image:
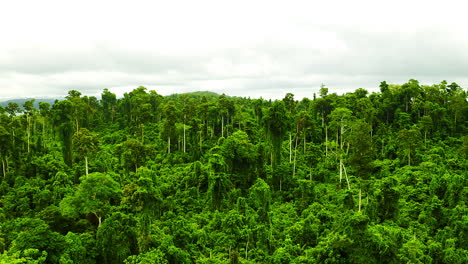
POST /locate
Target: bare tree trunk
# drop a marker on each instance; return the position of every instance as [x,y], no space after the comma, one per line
[222,125]
[3,166]
[425,137]
[359,200]
[271,158]
[29,130]
[200,141]
[295,156]
[290,148]
[338,143]
[341,170]
[326,142]
[304,144]
[168,144]
[184,137]
[247,250]
[347,179]
[86,165]
[43,132]
[323,120]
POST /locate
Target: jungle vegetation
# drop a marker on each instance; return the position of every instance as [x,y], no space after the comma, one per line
[360,177]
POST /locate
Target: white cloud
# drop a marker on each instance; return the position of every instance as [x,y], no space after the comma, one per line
[245,48]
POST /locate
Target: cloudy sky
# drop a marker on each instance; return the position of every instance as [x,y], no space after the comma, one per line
[242,48]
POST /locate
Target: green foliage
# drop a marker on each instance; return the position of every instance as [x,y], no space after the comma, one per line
[204,178]
[117,238]
[95,195]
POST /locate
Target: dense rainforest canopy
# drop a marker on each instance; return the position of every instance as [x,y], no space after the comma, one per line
[207,178]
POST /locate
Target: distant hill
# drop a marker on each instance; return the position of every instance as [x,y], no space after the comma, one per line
[198,94]
[21,101]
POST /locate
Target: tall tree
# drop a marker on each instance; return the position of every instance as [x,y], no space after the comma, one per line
[409,140]
[276,123]
[77,105]
[29,112]
[341,120]
[62,112]
[5,145]
[169,128]
[85,144]
[12,109]
[44,111]
[109,104]
[96,194]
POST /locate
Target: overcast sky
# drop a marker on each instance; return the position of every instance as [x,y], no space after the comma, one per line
[242,48]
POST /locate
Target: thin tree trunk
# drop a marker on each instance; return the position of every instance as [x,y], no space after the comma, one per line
[184,137]
[43,132]
[359,200]
[295,156]
[323,120]
[294,166]
[29,130]
[425,137]
[247,250]
[168,144]
[3,166]
[86,164]
[304,144]
[290,148]
[347,179]
[222,125]
[200,141]
[341,170]
[326,141]
[338,143]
